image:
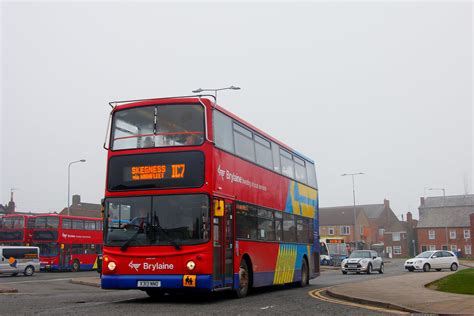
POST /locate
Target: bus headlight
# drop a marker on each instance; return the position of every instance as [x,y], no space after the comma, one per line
[111,266]
[190,265]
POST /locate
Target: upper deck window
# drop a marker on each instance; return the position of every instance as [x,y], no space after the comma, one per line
[158,126]
[47,222]
[13,222]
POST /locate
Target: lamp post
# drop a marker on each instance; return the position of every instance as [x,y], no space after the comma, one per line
[215,90]
[444,204]
[69,181]
[354,198]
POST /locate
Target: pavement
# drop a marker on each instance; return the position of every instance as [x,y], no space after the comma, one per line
[407,292]
[91,281]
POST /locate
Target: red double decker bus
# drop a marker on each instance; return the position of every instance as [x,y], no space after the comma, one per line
[196,198]
[16,230]
[67,242]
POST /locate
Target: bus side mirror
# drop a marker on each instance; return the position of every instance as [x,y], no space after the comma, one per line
[218,208]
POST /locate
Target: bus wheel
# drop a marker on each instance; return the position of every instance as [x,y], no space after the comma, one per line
[29,270]
[244,280]
[76,265]
[304,274]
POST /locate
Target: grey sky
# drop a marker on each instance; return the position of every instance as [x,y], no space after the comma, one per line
[382,88]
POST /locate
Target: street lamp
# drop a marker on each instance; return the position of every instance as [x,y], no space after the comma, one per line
[69,181]
[215,90]
[354,198]
[444,204]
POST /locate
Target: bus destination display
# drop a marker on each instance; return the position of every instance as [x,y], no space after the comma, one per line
[156,171]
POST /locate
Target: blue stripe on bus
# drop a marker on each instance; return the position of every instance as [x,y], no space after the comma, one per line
[167,281]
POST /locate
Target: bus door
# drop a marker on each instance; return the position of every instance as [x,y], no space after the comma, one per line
[64,256]
[223,240]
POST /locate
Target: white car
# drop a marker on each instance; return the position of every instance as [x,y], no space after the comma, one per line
[435,259]
[362,261]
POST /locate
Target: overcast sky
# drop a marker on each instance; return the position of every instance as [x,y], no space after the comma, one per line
[379,88]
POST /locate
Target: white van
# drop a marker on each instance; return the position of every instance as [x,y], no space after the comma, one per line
[19,259]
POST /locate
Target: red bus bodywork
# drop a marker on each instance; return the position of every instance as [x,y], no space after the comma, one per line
[232,180]
[68,242]
[16,230]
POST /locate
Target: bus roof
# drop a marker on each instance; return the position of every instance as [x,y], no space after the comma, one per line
[121,105]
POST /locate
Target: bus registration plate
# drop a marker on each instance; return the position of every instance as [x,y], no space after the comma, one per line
[149,284]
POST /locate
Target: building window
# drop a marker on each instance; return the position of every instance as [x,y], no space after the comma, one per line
[445,247]
[454,248]
[423,248]
[432,247]
[395,236]
[345,230]
[331,230]
[467,249]
[397,250]
[431,234]
[381,231]
[467,234]
[452,234]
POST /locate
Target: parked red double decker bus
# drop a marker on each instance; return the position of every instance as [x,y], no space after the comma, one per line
[67,242]
[16,230]
[196,198]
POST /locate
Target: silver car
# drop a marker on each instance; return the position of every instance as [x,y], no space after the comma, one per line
[19,259]
[362,261]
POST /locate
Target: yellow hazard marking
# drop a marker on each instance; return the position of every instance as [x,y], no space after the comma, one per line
[95,264]
[189,280]
[318,295]
[285,265]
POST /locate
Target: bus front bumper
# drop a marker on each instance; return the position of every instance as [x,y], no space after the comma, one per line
[166,282]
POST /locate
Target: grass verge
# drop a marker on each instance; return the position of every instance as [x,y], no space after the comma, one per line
[460,282]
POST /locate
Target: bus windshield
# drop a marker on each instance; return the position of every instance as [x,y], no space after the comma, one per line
[158,126]
[157,220]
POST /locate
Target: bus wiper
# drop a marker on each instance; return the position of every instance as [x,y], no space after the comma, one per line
[155,223]
[132,238]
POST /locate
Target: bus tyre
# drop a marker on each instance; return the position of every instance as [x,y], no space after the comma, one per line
[244,280]
[304,274]
[29,270]
[75,265]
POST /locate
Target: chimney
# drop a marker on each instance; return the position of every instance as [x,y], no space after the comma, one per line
[409,217]
[422,201]
[386,203]
[76,199]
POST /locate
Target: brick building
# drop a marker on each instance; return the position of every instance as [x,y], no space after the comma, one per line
[338,222]
[400,238]
[79,208]
[445,223]
[381,217]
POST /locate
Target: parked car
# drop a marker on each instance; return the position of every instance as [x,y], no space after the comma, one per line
[19,259]
[434,259]
[362,261]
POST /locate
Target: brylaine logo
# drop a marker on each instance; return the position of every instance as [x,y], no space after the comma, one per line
[157,266]
[220,172]
[134,265]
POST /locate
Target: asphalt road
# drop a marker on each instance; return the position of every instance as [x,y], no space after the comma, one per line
[53,294]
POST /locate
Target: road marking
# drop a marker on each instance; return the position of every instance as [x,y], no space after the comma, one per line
[36,281]
[317,294]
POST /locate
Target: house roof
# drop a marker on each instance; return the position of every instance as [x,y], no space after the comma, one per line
[397,227]
[83,209]
[340,215]
[373,210]
[445,216]
[448,201]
